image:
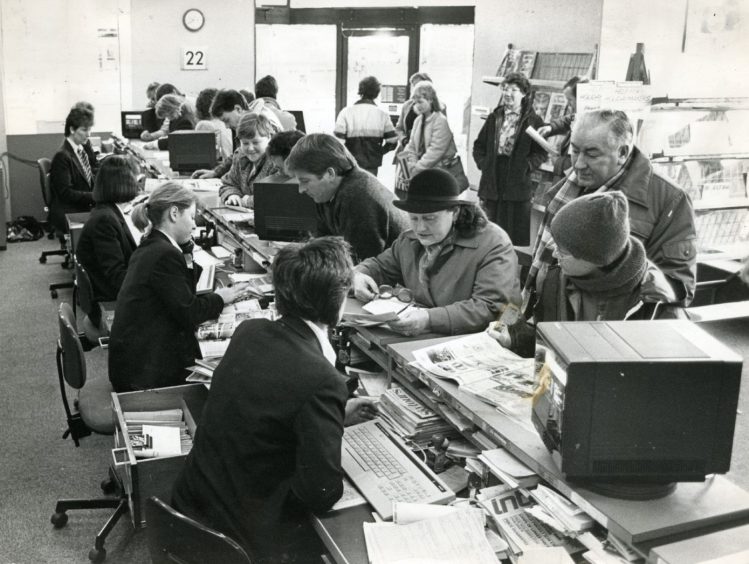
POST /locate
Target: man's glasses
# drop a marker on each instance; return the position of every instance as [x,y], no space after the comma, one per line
[386,291]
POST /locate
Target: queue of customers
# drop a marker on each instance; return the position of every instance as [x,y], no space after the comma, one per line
[617,241]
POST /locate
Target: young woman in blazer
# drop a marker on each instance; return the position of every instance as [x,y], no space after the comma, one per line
[153,335]
[109,237]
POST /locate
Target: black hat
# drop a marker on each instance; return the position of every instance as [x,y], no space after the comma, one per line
[429,191]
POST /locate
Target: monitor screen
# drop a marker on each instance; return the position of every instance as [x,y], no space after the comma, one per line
[132,124]
[646,402]
[191,150]
[282,213]
[299,115]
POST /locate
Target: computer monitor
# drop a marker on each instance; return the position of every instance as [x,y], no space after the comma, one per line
[299,115]
[132,124]
[191,150]
[282,213]
[637,402]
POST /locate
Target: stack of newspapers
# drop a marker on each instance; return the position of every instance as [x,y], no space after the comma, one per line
[411,418]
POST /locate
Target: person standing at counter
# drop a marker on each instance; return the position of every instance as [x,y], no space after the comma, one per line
[460,268]
[350,202]
[153,335]
[268,448]
[250,162]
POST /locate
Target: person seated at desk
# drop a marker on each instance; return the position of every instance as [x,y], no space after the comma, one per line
[602,275]
[73,170]
[250,162]
[350,201]
[268,449]
[279,148]
[155,126]
[209,123]
[109,237]
[181,117]
[153,335]
[460,267]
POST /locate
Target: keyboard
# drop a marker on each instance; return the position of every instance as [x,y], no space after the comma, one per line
[385,470]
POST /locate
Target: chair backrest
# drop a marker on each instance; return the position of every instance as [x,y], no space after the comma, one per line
[174,537]
[85,291]
[44,166]
[73,361]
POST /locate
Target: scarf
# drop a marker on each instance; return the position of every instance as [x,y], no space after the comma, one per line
[564,192]
[430,255]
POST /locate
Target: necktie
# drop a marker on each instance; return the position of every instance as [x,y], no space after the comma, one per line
[86,165]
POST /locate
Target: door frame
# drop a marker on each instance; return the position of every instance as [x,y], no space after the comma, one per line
[402,21]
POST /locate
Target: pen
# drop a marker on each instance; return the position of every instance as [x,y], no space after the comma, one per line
[404,309]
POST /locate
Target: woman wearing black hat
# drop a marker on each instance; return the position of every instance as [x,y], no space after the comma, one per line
[460,267]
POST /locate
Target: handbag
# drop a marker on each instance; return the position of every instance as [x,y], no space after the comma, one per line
[454,166]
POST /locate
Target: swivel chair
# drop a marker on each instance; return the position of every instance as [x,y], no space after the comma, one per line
[93,413]
[174,537]
[44,165]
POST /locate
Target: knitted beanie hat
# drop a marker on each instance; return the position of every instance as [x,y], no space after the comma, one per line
[593,227]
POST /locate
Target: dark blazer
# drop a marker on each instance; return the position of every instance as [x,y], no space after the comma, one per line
[268,449]
[526,157]
[180,124]
[71,191]
[153,335]
[104,248]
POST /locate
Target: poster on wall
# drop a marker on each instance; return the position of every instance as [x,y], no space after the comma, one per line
[108,48]
[633,98]
[714,26]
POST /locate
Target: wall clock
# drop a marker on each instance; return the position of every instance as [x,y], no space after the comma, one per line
[193,19]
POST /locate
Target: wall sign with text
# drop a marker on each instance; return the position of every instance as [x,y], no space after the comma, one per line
[193,58]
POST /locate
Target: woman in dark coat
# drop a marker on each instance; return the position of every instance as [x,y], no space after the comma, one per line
[507,155]
[153,335]
[109,237]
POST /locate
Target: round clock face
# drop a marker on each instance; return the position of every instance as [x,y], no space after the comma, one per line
[193,19]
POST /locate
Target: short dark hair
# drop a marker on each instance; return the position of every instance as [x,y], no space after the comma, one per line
[166,88]
[282,143]
[266,87]
[317,152]
[204,101]
[369,87]
[573,82]
[251,124]
[471,219]
[225,101]
[248,96]
[311,279]
[520,80]
[116,180]
[78,117]
[83,105]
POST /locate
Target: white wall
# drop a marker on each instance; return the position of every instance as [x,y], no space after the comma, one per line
[158,36]
[56,54]
[537,25]
[371,3]
[712,64]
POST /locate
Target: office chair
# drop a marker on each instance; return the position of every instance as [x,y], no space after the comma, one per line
[94,413]
[174,537]
[93,328]
[44,165]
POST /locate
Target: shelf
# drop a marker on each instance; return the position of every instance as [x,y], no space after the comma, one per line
[731,203]
[664,103]
[497,80]
[663,158]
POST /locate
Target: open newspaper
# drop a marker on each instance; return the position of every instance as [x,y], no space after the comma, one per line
[482,367]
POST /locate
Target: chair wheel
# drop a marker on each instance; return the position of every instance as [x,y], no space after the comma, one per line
[108,486]
[59,520]
[42,259]
[53,293]
[97,554]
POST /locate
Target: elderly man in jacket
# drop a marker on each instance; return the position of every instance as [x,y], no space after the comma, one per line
[660,213]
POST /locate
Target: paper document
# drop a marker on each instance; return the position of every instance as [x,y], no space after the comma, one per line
[538,138]
[350,498]
[379,306]
[165,441]
[210,349]
[456,538]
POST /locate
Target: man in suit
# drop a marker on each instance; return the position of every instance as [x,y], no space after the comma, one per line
[269,445]
[73,169]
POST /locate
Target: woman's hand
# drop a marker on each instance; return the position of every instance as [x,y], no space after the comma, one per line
[365,288]
[203,173]
[247,201]
[544,130]
[231,293]
[359,410]
[412,322]
[500,333]
[233,200]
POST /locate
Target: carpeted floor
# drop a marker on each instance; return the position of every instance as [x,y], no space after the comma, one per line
[37,467]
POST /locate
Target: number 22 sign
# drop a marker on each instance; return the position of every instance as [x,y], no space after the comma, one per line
[193,58]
